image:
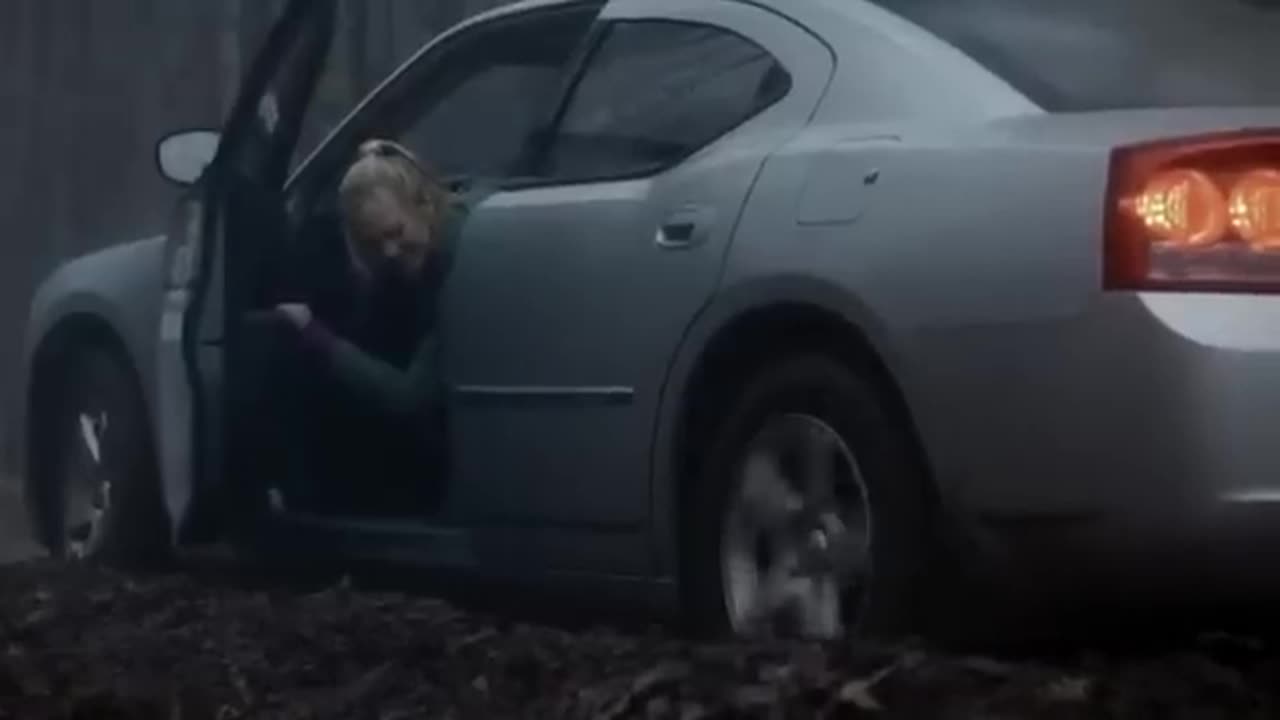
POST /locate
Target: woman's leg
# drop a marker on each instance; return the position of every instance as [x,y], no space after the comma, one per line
[289,419]
[401,468]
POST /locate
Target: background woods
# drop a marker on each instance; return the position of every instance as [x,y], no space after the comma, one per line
[87,86]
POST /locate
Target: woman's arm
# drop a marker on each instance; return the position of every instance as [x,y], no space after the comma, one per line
[384,386]
[380,383]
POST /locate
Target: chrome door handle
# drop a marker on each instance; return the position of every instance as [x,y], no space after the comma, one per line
[685,228]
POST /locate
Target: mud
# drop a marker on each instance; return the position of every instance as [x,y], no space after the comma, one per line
[77,642]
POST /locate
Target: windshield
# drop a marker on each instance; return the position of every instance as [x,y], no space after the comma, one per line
[1080,55]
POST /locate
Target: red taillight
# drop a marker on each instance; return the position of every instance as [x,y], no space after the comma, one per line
[1195,214]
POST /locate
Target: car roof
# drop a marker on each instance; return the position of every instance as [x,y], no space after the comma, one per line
[824,18]
[515,8]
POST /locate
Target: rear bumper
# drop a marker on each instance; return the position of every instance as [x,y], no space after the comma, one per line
[1140,434]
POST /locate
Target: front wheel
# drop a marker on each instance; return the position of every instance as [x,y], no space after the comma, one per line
[102,492]
[808,516]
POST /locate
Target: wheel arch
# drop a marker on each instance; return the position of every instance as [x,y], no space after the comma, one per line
[737,334]
[69,337]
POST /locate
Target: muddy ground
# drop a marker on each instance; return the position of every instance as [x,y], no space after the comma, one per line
[82,643]
[211,642]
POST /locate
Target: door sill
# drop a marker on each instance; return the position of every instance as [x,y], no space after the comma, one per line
[418,542]
[365,523]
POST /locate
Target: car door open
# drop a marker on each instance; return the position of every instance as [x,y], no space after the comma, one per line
[212,255]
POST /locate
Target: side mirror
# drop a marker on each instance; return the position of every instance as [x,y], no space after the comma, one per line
[182,156]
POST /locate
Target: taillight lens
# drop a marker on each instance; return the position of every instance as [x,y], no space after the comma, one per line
[186,232]
[1195,214]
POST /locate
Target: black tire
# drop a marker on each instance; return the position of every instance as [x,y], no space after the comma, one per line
[134,526]
[849,403]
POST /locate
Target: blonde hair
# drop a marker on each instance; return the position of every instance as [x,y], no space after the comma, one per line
[382,164]
[386,165]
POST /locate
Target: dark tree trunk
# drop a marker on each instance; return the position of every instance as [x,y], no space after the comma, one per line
[87,87]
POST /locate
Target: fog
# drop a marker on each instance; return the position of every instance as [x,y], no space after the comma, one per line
[87,87]
[1094,54]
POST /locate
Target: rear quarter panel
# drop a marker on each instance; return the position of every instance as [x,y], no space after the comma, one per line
[913,235]
[971,257]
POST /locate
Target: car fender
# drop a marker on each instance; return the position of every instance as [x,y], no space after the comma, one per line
[732,302]
[119,289]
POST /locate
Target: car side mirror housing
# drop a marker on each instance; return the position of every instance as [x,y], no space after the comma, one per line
[182,156]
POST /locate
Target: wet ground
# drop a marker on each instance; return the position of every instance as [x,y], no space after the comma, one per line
[81,643]
[211,642]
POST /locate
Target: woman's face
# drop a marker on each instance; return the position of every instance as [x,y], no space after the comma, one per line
[391,233]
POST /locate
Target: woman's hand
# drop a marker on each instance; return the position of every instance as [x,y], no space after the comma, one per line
[298,314]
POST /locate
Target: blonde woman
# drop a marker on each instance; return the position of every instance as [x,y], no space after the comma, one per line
[401,228]
[382,385]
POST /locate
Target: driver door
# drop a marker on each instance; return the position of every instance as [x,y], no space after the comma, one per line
[213,254]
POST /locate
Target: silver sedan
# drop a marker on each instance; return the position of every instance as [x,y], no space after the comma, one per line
[782,309]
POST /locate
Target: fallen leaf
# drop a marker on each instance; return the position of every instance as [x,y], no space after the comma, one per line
[986,666]
[36,617]
[911,659]
[777,674]
[858,694]
[241,684]
[1230,639]
[1069,690]
[474,638]
[658,707]
[663,674]
[694,711]
[364,686]
[754,697]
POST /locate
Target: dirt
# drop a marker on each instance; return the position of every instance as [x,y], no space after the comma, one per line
[82,643]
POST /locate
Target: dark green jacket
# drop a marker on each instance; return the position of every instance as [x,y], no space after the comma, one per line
[416,388]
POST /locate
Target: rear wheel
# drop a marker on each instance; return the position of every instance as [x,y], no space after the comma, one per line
[808,516]
[103,501]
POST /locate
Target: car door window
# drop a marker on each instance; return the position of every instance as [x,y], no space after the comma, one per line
[655,92]
[477,114]
[467,105]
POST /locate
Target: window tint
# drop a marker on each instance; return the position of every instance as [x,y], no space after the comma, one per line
[477,107]
[482,126]
[655,92]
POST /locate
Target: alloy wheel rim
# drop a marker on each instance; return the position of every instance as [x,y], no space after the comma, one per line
[796,539]
[86,488]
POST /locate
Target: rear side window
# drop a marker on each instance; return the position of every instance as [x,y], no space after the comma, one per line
[655,92]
